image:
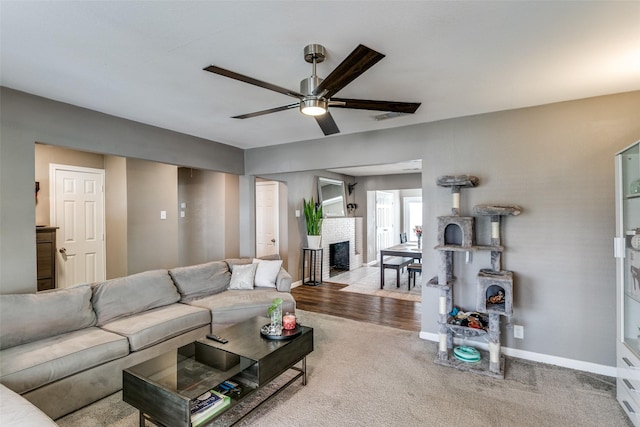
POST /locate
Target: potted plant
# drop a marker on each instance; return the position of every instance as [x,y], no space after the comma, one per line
[313,217]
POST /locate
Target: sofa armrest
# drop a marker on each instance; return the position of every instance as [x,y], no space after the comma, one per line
[283,281]
[19,412]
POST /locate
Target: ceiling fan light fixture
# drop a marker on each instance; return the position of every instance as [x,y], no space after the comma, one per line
[316,94]
[313,107]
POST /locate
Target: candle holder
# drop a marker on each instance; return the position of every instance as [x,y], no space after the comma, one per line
[289,321]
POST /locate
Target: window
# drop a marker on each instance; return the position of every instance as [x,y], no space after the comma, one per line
[412,216]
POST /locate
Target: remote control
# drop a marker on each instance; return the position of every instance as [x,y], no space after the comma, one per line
[217,338]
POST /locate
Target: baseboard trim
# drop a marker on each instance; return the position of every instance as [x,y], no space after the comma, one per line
[296,284]
[579,365]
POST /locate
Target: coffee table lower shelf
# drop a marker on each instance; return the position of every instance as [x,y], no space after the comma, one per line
[163,388]
[248,390]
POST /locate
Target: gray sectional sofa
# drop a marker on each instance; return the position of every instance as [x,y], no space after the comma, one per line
[66,348]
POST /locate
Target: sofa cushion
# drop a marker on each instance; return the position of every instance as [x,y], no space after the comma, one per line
[235,306]
[122,297]
[267,272]
[19,412]
[29,317]
[243,276]
[200,280]
[157,325]
[32,365]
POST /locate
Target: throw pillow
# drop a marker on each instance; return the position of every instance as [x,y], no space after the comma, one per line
[197,281]
[243,276]
[267,272]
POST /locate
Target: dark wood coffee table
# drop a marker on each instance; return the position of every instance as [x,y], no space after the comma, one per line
[162,388]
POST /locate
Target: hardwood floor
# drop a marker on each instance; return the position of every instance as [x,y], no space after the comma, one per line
[328,299]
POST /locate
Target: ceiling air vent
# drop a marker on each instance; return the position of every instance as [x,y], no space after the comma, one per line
[387,116]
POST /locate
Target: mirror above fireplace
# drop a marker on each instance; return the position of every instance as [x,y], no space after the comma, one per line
[332,196]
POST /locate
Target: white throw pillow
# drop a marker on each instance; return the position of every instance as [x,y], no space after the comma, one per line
[267,272]
[242,276]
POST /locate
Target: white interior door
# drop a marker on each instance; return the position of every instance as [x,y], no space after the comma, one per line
[384,221]
[77,208]
[267,218]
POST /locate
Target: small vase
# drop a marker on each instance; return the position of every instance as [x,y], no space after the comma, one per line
[275,328]
[419,242]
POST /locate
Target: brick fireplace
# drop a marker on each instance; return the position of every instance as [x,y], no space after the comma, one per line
[341,230]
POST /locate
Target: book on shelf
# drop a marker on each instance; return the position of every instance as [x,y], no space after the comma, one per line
[228,388]
[205,406]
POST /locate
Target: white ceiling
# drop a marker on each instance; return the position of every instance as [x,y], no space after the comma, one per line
[143,60]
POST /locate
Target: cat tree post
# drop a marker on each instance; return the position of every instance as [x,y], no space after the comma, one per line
[494,343]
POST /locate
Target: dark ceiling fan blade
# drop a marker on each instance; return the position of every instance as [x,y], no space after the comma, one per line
[269,111]
[327,124]
[360,60]
[251,81]
[367,104]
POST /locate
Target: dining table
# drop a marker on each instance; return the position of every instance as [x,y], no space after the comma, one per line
[409,250]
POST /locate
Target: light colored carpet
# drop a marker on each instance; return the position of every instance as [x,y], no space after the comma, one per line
[362,374]
[366,280]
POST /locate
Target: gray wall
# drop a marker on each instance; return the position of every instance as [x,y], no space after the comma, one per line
[152,242]
[211,215]
[27,119]
[116,216]
[556,161]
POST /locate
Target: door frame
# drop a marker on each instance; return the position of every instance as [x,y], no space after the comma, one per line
[276,212]
[53,168]
[392,226]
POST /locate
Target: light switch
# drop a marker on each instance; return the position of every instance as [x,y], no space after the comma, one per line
[297,213]
[181,214]
[163,214]
[183,205]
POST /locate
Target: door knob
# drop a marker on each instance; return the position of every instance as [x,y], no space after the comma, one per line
[63,251]
[273,240]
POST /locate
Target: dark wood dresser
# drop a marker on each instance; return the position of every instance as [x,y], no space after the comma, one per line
[46,257]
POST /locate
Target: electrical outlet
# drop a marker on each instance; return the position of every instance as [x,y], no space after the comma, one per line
[163,214]
[518,331]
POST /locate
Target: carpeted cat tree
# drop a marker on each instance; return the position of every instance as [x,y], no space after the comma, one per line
[494,286]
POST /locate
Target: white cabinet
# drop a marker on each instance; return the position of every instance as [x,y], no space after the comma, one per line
[627,252]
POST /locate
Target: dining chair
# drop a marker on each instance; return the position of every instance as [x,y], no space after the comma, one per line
[414,269]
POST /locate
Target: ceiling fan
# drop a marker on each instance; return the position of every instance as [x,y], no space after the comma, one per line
[316,94]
